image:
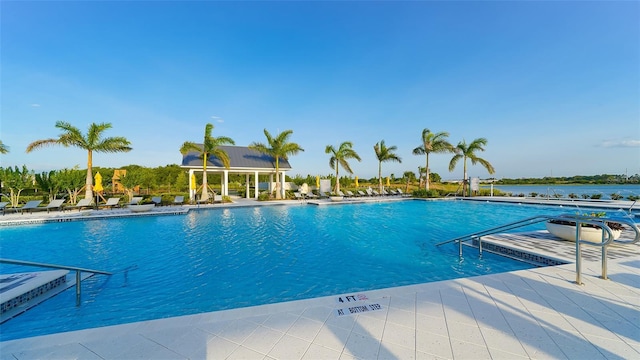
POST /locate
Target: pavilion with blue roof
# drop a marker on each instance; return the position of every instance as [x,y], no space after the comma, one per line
[242,160]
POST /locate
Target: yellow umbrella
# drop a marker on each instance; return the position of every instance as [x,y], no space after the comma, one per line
[356,181]
[318,182]
[388,181]
[98,183]
[193,181]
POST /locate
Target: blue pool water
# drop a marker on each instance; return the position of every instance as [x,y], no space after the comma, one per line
[219,259]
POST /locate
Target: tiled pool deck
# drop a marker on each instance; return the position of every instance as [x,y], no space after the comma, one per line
[539,313]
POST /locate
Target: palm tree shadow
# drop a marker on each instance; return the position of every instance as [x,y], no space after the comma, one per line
[574,306]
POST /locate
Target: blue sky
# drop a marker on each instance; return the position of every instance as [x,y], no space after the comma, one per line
[553,86]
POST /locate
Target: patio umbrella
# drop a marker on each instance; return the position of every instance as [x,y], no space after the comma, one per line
[388,181]
[193,181]
[318,182]
[98,183]
[356,181]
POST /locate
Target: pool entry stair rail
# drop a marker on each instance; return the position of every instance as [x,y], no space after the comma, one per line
[28,289]
[579,220]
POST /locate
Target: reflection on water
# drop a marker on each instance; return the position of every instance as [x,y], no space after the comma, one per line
[219,258]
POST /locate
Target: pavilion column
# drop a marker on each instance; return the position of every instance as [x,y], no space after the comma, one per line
[282,192]
[225,183]
[270,182]
[255,185]
[246,182]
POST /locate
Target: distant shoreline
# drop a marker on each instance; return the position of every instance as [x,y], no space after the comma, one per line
[605,191]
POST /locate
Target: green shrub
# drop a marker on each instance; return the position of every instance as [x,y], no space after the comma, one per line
[264,196]
[422,193]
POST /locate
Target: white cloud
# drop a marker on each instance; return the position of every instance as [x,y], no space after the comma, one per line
[218,119]
[35,105]
[620,143]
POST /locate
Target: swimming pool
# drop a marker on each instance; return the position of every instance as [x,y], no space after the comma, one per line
[228,258]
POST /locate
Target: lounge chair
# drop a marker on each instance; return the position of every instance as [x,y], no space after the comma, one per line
[369,192]
[178,200]
[324,195]
[56,204]
[111,203]
[30,206]
[83,203]
[311,195]
[385,192]
[361,193]
[157,200]
[401,193]
[298,196]
[350,193]
[3,206]
[375,193]
[135,200]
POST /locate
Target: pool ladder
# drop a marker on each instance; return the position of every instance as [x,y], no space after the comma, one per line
[607,236]
[78,271]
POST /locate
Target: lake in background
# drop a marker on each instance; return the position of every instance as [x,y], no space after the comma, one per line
[564,190]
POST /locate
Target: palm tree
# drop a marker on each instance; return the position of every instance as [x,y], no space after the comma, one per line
[210,147]
[4,149]
[279,148]
[464,151]
[432,143]
[339,157]
[384,153]
[92,142]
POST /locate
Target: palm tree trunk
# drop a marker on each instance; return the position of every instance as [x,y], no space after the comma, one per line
[380,176]
[337,180]
[278,194]
[427,172]
[205,190]
[88,194]
[464,180]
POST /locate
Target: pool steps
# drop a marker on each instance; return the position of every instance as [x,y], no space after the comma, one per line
[22,291]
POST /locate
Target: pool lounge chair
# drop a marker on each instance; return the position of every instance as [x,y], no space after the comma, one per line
[83,203]
[401,193]
[178,200]
[30,206]
[56,204]
[111,203]
[135,200]
[3,206]
[361,193]
[350,193]
[157,200]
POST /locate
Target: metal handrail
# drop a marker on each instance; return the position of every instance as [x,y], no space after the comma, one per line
[495,230]
[579,220]
[78,271]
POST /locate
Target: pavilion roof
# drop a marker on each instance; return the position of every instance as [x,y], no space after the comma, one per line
[240,157]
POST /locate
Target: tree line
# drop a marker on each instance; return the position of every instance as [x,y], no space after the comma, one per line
[277,146]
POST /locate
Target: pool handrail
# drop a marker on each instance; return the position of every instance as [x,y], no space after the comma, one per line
[579,220]
[78,271]
[512,225]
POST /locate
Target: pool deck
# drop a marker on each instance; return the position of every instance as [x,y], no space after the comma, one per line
[529,314]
